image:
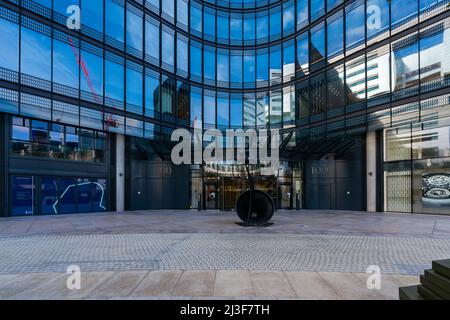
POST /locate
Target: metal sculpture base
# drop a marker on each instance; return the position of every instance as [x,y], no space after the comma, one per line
[245,224]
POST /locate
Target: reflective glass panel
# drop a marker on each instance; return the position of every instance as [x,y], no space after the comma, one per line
[9,55]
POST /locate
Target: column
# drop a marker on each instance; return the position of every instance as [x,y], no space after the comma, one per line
[120,172]
[371,168]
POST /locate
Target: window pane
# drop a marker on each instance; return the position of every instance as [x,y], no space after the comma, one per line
[223,67]
[45,3]
[168,7]
[236,68]
[182,54]
[22,196]
[36,54]
[114,20]
[182,12]
[336,94]
[302,13]
[355,26]
[275,24]
[167,98]
[249,69]
[134,31]
[196,108]
[92,14]
[303,100]
[223,27]
[209,58]
[288,19]
[9,55]
[210,24]
[249,111]
[152,41]
[318,95]
[196,60]
[262,110]
[209,105]
[275,107]
[60,6]
[183,103]
[302,54]
[151,96]
[355,80]
[335,35]
[289,61]
[92,78]
[377,17]
[262,27]
[249,28]
[196,19]
[317,8]
[288,107]
[317,49]
[223,113]
[378,73]
[20,133]
[236,112]
[167,49]
[65,66]
[262,64]
[134,91]
[275,65]
[433,58]
[236,29]
[67,203]
[114,82]
[405,66]
[403,11]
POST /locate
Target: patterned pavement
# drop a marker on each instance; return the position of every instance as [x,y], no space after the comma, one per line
[214,251]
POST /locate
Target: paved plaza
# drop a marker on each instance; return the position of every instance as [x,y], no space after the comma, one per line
[191,254]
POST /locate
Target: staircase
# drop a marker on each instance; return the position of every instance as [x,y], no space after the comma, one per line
[434,284]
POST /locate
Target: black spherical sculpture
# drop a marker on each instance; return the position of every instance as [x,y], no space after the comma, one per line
[254,207]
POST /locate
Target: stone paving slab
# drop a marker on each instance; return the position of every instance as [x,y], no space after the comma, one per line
[232,283]
[158,283]
[190,221]
[195,283]
[350,287]
[271,284]
[204,284]
[310,285]
[120,285]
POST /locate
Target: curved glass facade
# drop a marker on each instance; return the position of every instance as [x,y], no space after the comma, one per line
[308,67]
[264,63]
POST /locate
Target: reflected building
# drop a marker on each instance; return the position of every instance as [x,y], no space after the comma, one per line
[359,91]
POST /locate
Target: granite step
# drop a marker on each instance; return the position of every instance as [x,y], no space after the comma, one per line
[442,267]
[438,280]
[410,293]
[442,294]
[427,294]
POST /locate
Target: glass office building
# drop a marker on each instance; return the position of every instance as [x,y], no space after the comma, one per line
[360,91]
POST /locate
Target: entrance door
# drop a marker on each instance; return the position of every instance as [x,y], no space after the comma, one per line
[286,196]
[232,188]
[211,196]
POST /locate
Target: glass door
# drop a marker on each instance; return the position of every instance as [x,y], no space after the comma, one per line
[286,196]
[211,196]
[232,188]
